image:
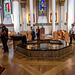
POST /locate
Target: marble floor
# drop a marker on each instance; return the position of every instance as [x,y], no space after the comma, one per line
[18,64]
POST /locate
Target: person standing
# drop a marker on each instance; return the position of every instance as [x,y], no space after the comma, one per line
[32,33]
[4,38]
[38,32]
[72,33]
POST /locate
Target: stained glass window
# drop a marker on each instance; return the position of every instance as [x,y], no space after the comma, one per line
[42,7]
[7,8]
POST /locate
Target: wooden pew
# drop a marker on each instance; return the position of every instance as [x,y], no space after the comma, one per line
[55,35]
[23,32]
[67,38]
[29,37]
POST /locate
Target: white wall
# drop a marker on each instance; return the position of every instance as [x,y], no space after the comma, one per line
[7,20]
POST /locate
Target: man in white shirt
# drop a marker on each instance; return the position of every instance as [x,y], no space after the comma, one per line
[72,33]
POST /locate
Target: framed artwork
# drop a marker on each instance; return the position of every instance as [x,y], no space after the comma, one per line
[29,18]
[51,17]
[7,8]
[42,7]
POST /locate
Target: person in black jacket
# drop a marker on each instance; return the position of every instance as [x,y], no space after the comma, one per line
[33,33]
[38,33]
[4,38]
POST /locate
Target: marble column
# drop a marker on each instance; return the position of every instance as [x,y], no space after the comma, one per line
[62,14]
[62,18]
[23,15]
[70,14]
[67,16]
[15,6]
[31,12]
[53,16]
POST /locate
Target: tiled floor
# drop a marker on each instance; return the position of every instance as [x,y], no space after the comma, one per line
[17,64]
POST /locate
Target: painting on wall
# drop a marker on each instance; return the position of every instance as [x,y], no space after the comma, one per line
[29,18]
[7,8]
[42,7]
[51,17]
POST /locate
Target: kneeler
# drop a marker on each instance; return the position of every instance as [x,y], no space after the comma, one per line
[1,69]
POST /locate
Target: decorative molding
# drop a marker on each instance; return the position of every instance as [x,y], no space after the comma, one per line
[23,5]
[44,24]
[8,25]
[61,2]
[22,1]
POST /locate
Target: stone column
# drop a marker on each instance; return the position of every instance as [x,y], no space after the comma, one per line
[62,18]
[53,16]
[70,14]
[31,12]
[67,16]
[15,6]
[62,14]
[23,15]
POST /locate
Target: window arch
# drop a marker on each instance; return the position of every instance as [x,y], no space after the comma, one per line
[42,7]
[7,8]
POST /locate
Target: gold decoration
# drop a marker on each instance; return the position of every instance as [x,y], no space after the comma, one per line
[55,17]
[33,18]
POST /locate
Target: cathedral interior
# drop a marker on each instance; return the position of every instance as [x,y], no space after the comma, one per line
[52,54]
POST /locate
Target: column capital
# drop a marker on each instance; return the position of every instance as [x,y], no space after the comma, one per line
[23,5]
[61,2]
